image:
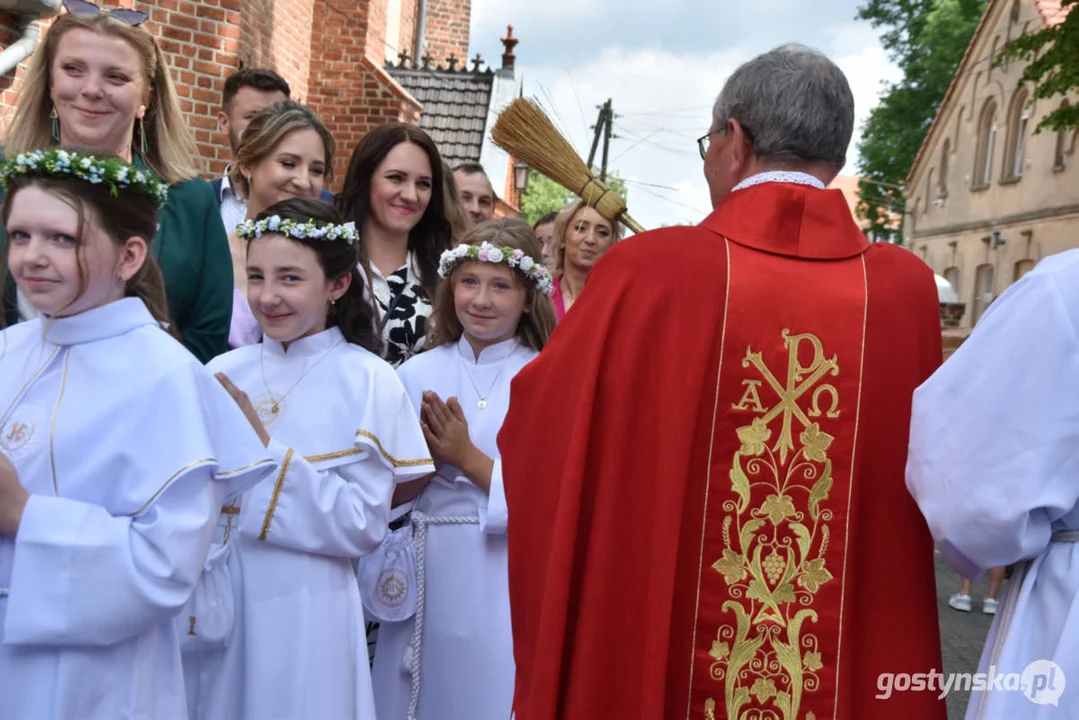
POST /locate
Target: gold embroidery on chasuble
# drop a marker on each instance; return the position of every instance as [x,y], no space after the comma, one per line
[776,528]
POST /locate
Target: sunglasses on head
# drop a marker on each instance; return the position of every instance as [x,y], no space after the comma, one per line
[134,18]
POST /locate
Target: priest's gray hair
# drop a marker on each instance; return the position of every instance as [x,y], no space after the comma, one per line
[795,104]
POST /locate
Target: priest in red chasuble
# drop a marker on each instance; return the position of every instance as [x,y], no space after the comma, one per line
[704,467]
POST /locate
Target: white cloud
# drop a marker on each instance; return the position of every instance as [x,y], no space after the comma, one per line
[662,92]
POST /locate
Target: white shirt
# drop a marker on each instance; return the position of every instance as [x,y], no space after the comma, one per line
[233,207]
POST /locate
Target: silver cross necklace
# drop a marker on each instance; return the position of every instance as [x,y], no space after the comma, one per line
[482,404]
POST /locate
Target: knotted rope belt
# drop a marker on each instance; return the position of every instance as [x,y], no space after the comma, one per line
[420,522]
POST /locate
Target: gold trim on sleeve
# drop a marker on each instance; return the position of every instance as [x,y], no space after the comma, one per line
[276,494]
[227,473]
[392,460]
[333,455]
[168,482]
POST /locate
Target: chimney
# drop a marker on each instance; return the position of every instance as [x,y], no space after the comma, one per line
[508,58]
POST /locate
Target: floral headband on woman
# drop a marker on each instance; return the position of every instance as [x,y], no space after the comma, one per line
[311,229]
[486,252]
[110,171]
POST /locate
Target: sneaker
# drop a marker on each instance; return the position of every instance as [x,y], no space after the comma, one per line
[989,606]
[960,602]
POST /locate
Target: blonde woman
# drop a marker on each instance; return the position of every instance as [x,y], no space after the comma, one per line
[100,81]
[285,152]
[581,237]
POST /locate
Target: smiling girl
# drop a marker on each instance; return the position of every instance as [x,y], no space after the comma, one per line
[337,418]
[492,316]
[115,444]
[393,191]
[285,152]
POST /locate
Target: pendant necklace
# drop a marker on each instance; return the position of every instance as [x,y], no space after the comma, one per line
[273,406]
[482,404]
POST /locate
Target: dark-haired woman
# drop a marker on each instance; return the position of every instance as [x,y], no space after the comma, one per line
[393,191]
[338,420]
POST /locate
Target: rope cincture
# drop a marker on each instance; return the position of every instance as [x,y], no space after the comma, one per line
[420,521]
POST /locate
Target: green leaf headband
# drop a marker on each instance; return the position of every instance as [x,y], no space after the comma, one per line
[114,172]
[310,229]
[486,252]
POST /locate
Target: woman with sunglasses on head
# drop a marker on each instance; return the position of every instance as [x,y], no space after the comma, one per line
[99,80]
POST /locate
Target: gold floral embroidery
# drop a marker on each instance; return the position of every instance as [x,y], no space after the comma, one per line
[775,536]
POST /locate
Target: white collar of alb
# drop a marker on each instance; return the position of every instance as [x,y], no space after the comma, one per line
[779,176]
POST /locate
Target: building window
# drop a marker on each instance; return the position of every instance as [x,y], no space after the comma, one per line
[1018,118]
[992,60]
[1022,268]
[952,276]
[1015,12]
[987,140]
[943,192]
[983,290]
[930,191]
[1061,144]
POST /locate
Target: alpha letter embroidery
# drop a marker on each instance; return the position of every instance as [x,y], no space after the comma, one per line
[775,536]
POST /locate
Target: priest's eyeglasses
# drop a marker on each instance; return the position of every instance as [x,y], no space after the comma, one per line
[705,141]
[134,18]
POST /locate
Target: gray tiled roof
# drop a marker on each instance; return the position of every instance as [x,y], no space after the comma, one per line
[455,106]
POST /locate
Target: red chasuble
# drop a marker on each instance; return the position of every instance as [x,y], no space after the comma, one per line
[704,471]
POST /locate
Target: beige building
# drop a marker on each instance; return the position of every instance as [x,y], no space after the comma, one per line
[986,197]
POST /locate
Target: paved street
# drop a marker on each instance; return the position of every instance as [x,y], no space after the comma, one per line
[962,634]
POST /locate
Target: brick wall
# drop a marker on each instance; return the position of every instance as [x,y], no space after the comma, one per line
[351,92]
[331,52]
[446,29]
[406,40]
[10,31]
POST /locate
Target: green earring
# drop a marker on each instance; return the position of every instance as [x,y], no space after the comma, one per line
[55,124]
[142,138]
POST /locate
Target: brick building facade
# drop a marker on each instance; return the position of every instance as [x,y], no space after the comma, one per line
[332,52]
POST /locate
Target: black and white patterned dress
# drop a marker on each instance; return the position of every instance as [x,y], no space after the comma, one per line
[401,295]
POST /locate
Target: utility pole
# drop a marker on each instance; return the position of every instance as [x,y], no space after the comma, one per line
[606,140]
[598,127]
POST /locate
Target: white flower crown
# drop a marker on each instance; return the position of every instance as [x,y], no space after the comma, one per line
[310,229]
[486,252]
[110,171]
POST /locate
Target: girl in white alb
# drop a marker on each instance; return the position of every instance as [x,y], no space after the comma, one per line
[117,450]
[451,656]
[337,419]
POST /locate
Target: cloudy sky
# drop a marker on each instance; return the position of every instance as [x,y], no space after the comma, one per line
[663,62]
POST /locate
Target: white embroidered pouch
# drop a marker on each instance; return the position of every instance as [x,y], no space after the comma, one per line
[387,578]
[207,619]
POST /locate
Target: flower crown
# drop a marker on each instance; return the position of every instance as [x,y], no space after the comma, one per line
[486,252]
[310,229]
[112,171]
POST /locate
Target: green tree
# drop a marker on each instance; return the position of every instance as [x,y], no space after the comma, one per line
[544,195]
[1054,72]
[926,39]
